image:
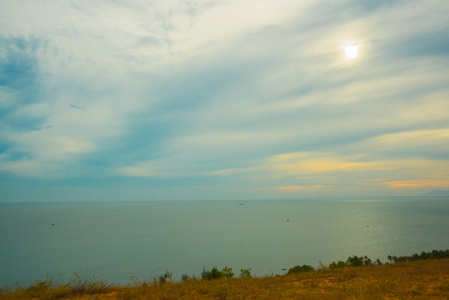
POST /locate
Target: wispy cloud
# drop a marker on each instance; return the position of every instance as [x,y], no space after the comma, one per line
[302,188]
[418,184]
[231,96]
[322,164]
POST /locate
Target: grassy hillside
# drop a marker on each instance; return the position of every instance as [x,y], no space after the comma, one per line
[428,279]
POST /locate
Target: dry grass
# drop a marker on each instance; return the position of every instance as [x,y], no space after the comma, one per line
[411,280]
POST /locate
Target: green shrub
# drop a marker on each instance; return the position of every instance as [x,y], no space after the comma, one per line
[339,264]
[185,277]
[356,261]
[434,254]
[300,269]
[212,274]
[227,272]
[245,273]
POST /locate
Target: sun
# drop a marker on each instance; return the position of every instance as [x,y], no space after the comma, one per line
[351,51]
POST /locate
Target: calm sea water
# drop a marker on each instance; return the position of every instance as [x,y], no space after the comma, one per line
[114,241]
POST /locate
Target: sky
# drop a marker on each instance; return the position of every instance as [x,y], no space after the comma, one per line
[222,100]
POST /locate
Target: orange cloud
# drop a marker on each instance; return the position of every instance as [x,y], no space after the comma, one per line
[301,188]
[327,164]
[417,183]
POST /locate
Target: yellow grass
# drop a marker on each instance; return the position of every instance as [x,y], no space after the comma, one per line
[412,280]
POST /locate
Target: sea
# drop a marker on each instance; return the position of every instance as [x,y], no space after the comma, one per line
[122,243]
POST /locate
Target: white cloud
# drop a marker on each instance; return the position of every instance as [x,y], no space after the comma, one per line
[178,89]
[417,140]
[146,169]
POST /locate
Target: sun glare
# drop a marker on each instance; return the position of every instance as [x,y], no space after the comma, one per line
[351,51]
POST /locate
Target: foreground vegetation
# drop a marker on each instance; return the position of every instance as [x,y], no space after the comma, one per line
[420,276]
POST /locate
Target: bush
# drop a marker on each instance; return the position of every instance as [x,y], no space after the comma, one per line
[356,261]
[245,273]
[300,269]
[227,272]
[185,277]
[212,274]
[339,264]
[434,254]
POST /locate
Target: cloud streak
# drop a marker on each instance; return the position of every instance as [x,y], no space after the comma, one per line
[249,98]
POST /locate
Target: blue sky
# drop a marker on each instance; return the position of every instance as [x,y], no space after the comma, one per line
[217,100]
